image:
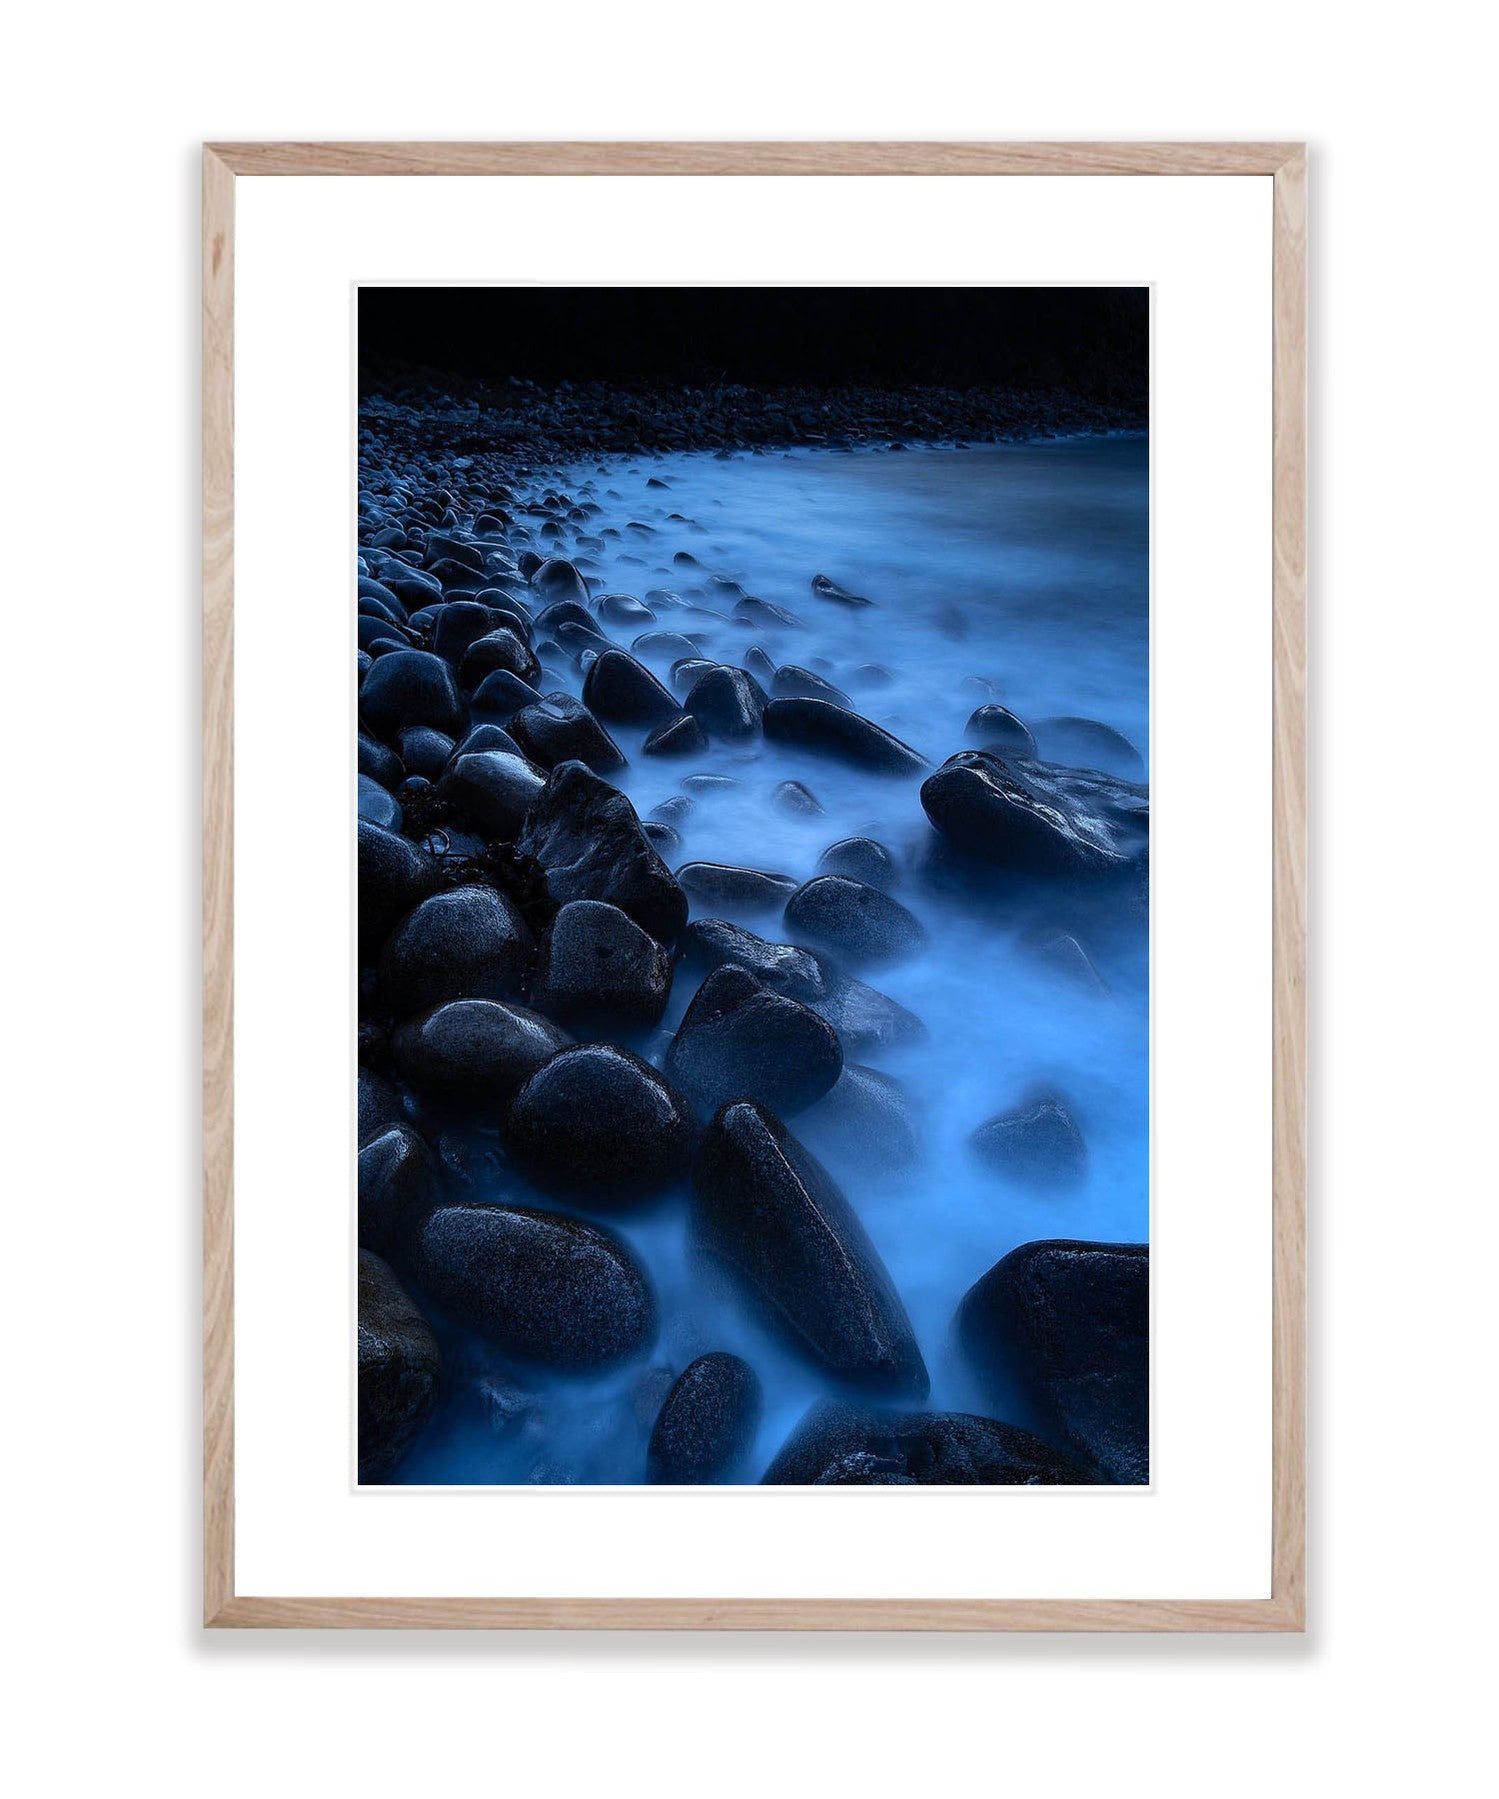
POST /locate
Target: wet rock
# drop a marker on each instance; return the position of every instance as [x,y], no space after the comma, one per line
[596,969]
[796,800]
[686,673]
[739,1040]
[1085,743]
[411,687]
[837,1444]
[722,887]
[994,728]
[625,611]
[865,1019]
[378,805]
[855,923]
[1071,1321]
[398,1186]
[598,1124]
[771,1215]
[727,703]
[544,1287]
[663,839]
[866,1125]
[764,616]
[622,691]
[1065,956]
[500,696]
[457,626]
[560,580]
[759,665]
[707,1426]
[586,843]
[860,859]
[379,763]
[494,789]
[1036,1145]
[487,737]
[393,876]
[425,752]
[498,652]
[562,613]
[399,1370]
[379,1104]
[849,737]
[468,943]
[562,729]
[680,736]
[793,683]
[871,676]
[664,647]
[711,943]
[474,1055]
[830,590]
[1014,816]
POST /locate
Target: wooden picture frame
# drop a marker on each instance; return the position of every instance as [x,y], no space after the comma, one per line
[1285,163]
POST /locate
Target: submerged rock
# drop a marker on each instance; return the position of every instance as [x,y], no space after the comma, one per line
[830,590]
[1018,816]
[1071,1322]
[1036,1145]
[707,1424]
[793,683]
[855,923]
[865,1019]
[739,1040]
[865,1125]
[586,842]
[596,1123]
[542,1286]
[993,727]
[837,1444]
[1085,743]
[399,1370]
[847,736]
[796,799]
[860,859]
[771,1215]
[468,943]
[721,887]
[474,1054]
[597,969]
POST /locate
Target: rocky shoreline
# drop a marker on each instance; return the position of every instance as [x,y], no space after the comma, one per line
[525,935]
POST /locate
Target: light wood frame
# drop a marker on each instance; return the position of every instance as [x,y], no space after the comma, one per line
[1285,164]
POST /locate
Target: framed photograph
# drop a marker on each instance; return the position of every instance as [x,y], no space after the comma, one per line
[754,890]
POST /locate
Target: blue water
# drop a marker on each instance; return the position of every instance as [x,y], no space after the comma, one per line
[1018,573]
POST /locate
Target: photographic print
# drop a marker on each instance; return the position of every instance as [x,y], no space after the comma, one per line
[753,752]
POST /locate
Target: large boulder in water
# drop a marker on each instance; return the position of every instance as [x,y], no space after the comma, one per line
[866,1020]
[996,728]
[562,729]
[494,789]
[596,1123]
[499,696]
[597,970]
[769,1214]
[399,1370]
[379,1104]
[474,1055]
[498,651]
[394,875]
[1028,819]
[837,1444]
[1086,743]
[542,1286]
[586,842]
[559,580]
[723,887]
[855,923]
[865,1126]
[739,1040]
[847,736]
[411,687]
[727,703]
[1070,1322]
[622,691]
[680,736]
[1035,1145]
[707,1423]
[467,943]
[860,859]
[398,1186]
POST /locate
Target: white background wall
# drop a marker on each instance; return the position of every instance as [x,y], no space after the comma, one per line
[105,109]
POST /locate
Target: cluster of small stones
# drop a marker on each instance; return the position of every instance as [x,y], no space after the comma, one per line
[521,930]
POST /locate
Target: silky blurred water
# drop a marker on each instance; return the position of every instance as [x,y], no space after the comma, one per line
[1017,573]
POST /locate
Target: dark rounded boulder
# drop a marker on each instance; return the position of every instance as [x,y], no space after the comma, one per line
[860,859]
[474,1054]
[393,875]
[865,1019]
[707,1423]
[467,943]
[425,752]
[379,763]
[410,687]
[456,627]
[541,1286]
[794,683]
[378,805]
[995,728]
[855,923]
[830,590]
[585,840]
[847,736]
[723,887]
[499,651]
[622,691]
[557,579]
[597,969]
[499,696]
[796,799]
[379,1105]
[1036,1145]
[728,703]
[679,736]
[714,943]
[400,1370]
[837,1444]
[1070,1321]
[398,1186]
[596,1123]
[561,729]
[494,789]
[739,1040]
[772,1217]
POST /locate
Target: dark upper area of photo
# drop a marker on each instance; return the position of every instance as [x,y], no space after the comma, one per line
[1093,341]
